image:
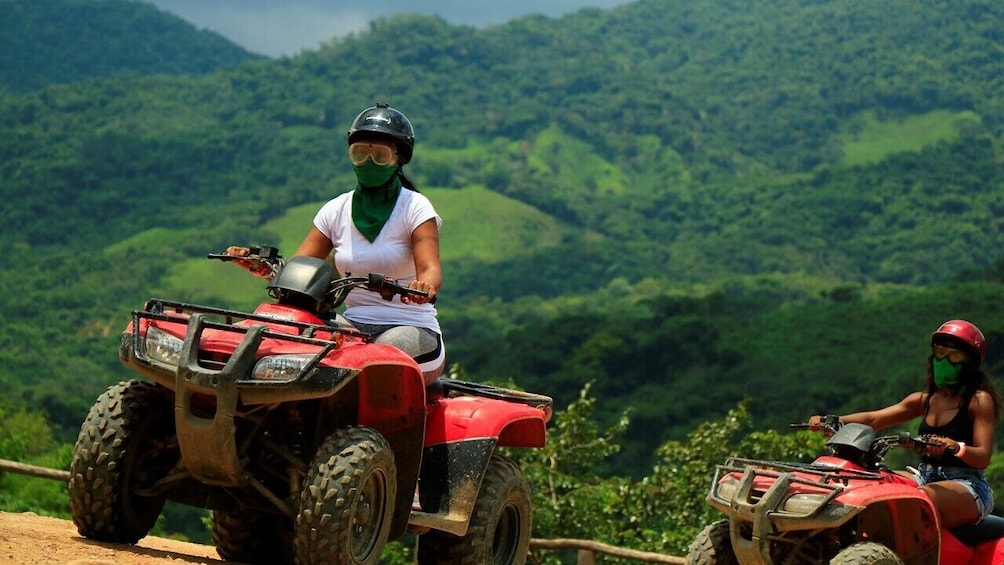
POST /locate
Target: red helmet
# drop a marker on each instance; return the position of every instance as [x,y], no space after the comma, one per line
[965,332]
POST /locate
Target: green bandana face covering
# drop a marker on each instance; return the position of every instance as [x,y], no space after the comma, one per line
[946,373]
[372,205]
[371,175]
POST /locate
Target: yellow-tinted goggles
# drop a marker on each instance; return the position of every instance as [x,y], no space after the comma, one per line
[380,154]
[943,351]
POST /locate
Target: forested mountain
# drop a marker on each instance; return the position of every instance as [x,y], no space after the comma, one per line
[45,42]
[689,202]
[677,129]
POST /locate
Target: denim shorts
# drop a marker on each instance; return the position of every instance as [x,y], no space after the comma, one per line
[973,479]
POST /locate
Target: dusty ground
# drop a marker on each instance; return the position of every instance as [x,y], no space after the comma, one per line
[30,539]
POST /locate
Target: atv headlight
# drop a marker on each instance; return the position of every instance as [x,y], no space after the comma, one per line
[163,347]
[280,367]
[806,504]
[726,489]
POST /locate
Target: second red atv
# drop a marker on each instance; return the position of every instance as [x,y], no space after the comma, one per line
[844,508]
[309,443]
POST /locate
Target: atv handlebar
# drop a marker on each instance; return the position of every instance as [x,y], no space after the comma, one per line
[829,424]
[905,440]
[267,258]
[376,282]
[266,261]
[260,252]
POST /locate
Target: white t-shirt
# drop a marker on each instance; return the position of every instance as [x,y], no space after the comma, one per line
[390,254]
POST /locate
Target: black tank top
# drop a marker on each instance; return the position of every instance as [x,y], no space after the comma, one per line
[960,428]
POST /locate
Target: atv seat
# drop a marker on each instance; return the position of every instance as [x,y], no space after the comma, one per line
[992,527]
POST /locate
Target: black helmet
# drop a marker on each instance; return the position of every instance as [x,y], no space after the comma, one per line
[303,281]
[383,121]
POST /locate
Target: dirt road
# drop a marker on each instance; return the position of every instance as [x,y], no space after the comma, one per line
[30,539]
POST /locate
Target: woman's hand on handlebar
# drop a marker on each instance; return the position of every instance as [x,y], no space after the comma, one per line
[254,264]
[428,289]
[826,425]
[818,423]
[939,445]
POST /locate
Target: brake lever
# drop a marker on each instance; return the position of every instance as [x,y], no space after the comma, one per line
[264,253]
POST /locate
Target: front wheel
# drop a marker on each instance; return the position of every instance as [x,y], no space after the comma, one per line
[125,445]
[712,546]
[866,553]
[347,501]
[499,530]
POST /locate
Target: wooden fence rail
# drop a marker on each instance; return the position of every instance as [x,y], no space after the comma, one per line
[40,472]
[587,549]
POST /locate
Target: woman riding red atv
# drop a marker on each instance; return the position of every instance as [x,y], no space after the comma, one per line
[959,409]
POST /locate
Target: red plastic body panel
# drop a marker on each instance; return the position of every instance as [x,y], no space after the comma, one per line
[987,553]
[287,313]
[469,417]
[954,551]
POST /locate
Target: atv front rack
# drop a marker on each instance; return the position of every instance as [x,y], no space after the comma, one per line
[157,308]
[826,474]
[753,498]
[760,501]
[752,494]
[229,375]
[212,390]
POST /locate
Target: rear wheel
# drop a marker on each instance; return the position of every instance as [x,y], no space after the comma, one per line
[866,553]
[499,530]
[348,500]
[125,445]
[712,546]
[252,537]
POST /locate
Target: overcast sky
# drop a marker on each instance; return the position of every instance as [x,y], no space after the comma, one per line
[285,27]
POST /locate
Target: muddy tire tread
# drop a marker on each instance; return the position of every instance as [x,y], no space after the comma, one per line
[99,470]
[503,484]
[713,546]
[322,533]
[866,553]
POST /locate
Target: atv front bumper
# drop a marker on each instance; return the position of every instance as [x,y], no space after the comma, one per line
[766,501]
[210,391]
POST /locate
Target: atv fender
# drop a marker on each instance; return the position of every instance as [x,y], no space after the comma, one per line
[904,521]
[460,437]
[471,417]
[392,401]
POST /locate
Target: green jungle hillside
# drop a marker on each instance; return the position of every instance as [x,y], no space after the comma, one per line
[45,42]
[679,205]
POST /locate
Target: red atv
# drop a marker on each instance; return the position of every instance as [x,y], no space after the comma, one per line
[844,508]
[310,443]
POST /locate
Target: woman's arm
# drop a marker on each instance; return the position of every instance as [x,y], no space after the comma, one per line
[981,410]
[315,244]
[428,270]
[903,411]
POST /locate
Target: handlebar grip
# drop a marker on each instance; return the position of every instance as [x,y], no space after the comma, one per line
[223,257]
[382,283]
